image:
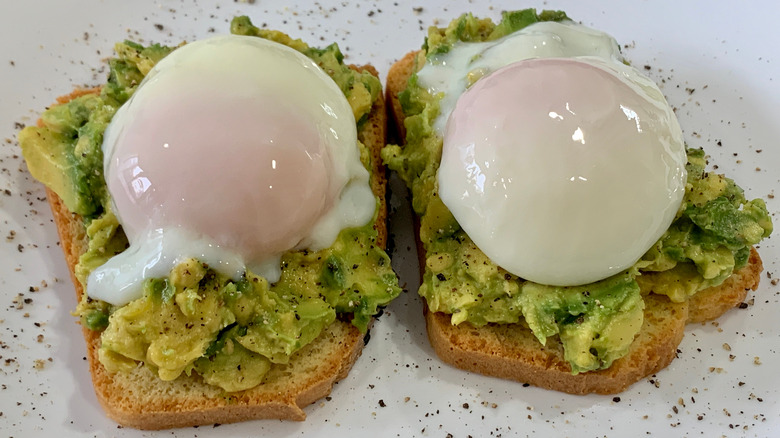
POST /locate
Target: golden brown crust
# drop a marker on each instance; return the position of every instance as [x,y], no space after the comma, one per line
[510,351]
[141,400]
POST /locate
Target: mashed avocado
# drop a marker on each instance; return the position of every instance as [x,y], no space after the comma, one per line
[196,320]
[710,237]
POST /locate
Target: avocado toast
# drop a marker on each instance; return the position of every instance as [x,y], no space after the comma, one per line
[315,339]
[471,332]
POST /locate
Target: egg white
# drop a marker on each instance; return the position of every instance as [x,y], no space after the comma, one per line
[247,191]
[562,164]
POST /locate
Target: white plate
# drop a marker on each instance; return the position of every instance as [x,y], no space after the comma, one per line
[719,67]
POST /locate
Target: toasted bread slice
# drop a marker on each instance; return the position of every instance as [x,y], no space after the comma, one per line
[141,400]
[511,351]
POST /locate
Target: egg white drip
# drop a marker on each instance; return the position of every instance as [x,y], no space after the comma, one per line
[155,250]
[446,76]
[154,257]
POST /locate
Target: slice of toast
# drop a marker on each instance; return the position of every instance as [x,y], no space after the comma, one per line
[511,351]
[139,399]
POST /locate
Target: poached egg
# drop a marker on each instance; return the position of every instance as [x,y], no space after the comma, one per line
[561,163]
[233,150]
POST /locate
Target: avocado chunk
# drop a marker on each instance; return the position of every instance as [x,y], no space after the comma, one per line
[438,222]
[230,366]
[172,325]
[713,233]
[49,162]
[596,322]
[58,157]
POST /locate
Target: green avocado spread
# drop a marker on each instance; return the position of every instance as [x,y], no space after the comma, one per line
[196,320]
[709,239]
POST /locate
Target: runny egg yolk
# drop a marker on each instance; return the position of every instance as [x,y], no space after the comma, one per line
[232,151]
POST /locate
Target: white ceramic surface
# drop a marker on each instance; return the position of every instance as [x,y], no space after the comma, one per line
[716,61]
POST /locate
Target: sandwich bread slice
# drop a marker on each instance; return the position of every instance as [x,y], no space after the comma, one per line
[512,350]
[135,395]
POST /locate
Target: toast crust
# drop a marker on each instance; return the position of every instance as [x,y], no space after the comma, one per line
[141,400]
[510,351]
